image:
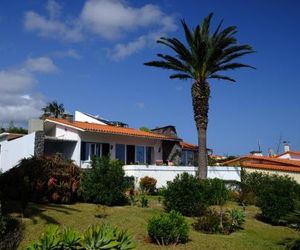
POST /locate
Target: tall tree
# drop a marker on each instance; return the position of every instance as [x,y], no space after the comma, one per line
[54,109]
[203,56]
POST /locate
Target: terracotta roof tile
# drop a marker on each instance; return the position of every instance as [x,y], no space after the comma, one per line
[289,152]
[108,129]
[272,167]
[188,146]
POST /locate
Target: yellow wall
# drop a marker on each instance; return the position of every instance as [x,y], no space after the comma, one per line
[295,176]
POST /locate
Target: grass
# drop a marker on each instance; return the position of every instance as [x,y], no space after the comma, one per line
[255,235]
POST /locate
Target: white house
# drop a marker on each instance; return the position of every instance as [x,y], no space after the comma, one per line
[85,136]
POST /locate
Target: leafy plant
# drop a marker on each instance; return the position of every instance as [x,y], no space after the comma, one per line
[49,240]
[41,179]
[101,211]
[144,201]
[168,229]
[235,218]
[70,239]
[208,223]
[107,237]
[148,184]
[95,237]
[277,198]
[186,195]
[2,222]
[104,183]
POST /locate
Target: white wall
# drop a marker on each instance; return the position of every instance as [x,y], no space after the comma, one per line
[81,117]
[13,151]
[163,174]
[290,156]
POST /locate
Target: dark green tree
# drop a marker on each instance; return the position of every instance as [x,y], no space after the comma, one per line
[53,109]
[202,57]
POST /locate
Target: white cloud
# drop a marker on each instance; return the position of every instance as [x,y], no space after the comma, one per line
[52,27]
[71,53]
[113,20]
[18,100]
[40,64]
[54,9]
[140,105]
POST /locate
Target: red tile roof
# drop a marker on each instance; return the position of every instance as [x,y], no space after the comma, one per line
[188,146]
[289,152]
[108,129]
[264,162]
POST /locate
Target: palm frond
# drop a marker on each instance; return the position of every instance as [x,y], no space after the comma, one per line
[180,76]
[221,77]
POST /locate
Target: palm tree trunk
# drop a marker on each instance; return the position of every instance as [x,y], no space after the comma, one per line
[200,97]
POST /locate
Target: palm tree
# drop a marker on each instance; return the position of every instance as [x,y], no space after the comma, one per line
[53,109]
[203,57]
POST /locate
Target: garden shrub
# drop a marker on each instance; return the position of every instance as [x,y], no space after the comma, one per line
[2,223]
[277,197]
[234,220]
[185,194]
[104,183]
[213,222]
[144,201]
[41,179]
[106,236]
[209,222]
[12,235]
[102,236]
[148,184]
[215,191]
[168,229]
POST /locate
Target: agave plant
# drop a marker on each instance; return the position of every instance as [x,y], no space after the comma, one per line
[50,240]
[106,236]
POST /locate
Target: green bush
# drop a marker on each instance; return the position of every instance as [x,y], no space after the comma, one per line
[148,184]
[210,222]
[96,237]
[234,220]
[186,195]
[13,234]
[107,237]
[277,197]
[41,179]
[168,229]
[104,183]
[2,223]
[215,191]
[144,201]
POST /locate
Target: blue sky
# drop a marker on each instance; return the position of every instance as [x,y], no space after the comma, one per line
[89,55]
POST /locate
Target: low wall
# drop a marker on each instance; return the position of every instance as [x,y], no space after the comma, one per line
[11,152]
[163,174]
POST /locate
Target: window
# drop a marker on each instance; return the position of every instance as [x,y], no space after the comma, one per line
[149,155]
[120,152]
[140,154]
[183,158]
[89,150]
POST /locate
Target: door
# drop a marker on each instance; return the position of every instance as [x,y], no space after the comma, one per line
[130,154]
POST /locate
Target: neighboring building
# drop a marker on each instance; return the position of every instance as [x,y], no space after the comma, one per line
[284,164]
[291,155]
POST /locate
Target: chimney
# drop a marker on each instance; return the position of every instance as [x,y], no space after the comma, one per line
[286,146]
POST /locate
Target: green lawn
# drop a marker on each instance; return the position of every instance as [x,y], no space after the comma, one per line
[256,234]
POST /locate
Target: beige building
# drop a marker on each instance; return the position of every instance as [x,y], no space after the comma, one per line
[287,163]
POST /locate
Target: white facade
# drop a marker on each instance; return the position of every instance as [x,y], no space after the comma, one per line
[82,117]
[163,174]
[11,152]
[290,156]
